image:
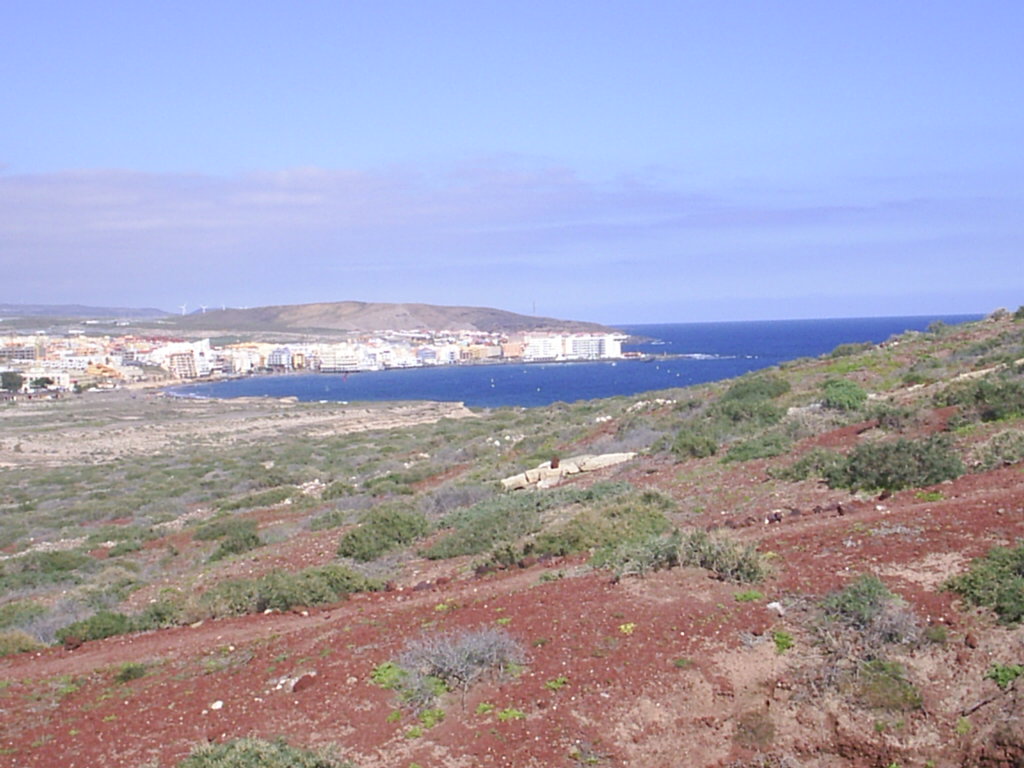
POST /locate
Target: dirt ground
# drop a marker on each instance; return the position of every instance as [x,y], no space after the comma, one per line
[667,670]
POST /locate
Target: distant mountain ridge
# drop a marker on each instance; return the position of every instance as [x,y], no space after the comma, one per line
[79,311]
[361,316]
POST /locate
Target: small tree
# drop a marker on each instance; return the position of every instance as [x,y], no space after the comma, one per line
[12,381]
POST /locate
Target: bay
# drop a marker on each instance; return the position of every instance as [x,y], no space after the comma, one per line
[686,354]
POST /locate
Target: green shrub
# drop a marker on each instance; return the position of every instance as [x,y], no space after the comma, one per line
[816,463]
[236,544]
[224,527]
[623,520]
[894,418]
[749,414]
[103,624]
[494,522]
[760,447]
[337,490]
[725,558]
[268,498]
[988,399]
[281,590]
[1005,447]
[843,395]
[694,442]
[845,350]
[381,531]
[257,753]
[640,556]
[41,568]
[995,581]
[763,386]
[858,603]
[897,464]
[867,607]
[16,641]
[130,670]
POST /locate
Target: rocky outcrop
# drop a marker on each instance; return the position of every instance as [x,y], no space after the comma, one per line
[550,473]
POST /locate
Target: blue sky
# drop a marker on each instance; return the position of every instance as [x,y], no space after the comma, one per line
[607,161]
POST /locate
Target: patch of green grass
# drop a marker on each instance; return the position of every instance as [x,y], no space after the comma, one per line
[783,641]
[1004,674]
[257,753]
[748,596]
[510,713]
[557,683]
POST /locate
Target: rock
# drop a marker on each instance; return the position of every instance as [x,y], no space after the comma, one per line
[304,682]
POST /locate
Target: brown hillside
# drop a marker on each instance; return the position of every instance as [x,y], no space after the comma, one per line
[369,316]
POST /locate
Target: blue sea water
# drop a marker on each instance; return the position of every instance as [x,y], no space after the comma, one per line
[694,353]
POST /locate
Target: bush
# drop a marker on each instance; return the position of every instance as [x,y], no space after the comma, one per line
[1006,447]
[456,660]
[817,463]
[760,447]
[896,465]
[749,414]
[40,568]
[843,395]
[381,531]
[267,498]
[989,399]
[103,624]
[281,590]
[16,641]
[618,521]
[877,615]
[995,581]
[859,603]
[724,557]
[501,520]
[845,350]
[223,527]
[639,557]
[764,386]
[694,442]
[257,753]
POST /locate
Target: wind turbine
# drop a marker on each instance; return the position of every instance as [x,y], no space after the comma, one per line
[183,308]
[202,308]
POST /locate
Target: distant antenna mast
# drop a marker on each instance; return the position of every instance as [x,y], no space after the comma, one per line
[535,307]
[183,308]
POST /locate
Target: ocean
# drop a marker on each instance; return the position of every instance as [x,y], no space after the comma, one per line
[687,353]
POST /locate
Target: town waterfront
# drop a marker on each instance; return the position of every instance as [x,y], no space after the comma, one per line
[678,355]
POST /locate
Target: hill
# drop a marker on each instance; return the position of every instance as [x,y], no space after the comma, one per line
[816,564]
[79,311]
[348,316]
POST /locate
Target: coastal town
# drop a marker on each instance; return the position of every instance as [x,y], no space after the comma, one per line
[76,360]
